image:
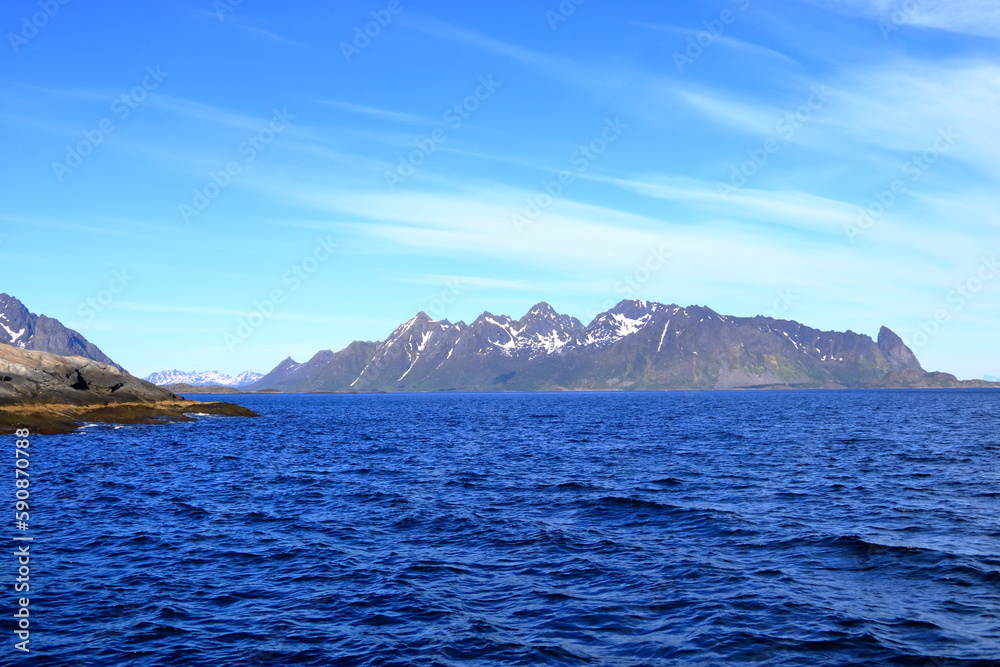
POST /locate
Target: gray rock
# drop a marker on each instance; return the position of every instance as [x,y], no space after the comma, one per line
[28,376]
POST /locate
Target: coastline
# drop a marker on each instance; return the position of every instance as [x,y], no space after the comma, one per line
[59,418]
[961,385]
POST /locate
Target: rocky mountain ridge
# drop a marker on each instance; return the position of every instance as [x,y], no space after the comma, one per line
[635,345]
[23,329]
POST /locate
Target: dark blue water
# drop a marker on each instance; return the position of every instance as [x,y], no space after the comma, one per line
[770,528]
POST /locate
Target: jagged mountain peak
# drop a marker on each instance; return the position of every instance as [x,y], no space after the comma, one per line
[627,317]
[422,322]
[11,305]
[415,334]
[901,358]
[486,316]
[21,328]
[321,356]
[541,309]
[638,305]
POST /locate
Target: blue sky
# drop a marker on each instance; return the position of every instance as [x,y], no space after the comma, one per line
[219,185]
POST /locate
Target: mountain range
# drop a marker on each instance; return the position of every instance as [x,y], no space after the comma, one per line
[203,378]
[23,329]
[638,345]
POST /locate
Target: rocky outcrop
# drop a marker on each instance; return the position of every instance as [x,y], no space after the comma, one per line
[48,393]
[901,359]
[28,376]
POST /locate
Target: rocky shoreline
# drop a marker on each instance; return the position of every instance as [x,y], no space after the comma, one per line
[49,419]
[47,393]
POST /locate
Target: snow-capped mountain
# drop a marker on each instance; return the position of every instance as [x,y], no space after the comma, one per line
[203,378]
[21,328]
[635,345]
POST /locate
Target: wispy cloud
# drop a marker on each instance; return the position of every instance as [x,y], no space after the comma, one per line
[723,40]
[971,17]
[246,24]
[726,110]
[582,240]
[205,112]
[472,282]
[231,312]
[901,106]
[560,66]
[647,92]
[383,114]
[86,229]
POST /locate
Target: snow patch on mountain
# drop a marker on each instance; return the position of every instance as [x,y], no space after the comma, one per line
[609,328]
[13,336]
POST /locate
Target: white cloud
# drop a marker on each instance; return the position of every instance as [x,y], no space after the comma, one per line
[972,17]
[903,105]
[592,244]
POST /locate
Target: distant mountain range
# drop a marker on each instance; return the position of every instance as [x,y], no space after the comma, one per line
[635,345]
[203,378]
[991,378]
[27,331]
